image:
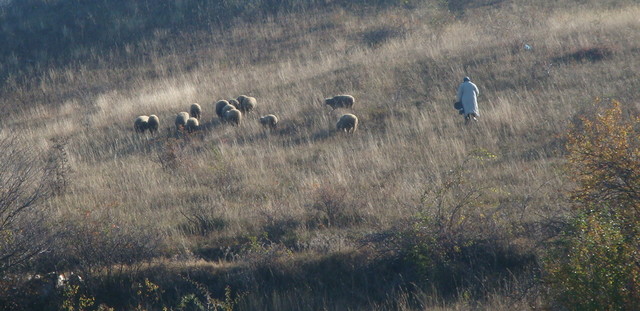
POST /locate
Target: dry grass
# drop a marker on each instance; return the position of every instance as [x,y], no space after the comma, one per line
[402,66]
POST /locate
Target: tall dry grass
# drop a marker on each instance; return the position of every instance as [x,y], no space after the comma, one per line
[226,184]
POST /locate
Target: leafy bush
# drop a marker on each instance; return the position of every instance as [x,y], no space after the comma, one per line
[204,300]
[597,266]
[604,154]
[596,263]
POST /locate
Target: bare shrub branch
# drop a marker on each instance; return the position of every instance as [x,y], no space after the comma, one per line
[23,189]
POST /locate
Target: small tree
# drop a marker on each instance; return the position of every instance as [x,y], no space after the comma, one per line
[597,263]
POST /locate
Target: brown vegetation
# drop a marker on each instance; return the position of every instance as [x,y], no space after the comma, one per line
[416,211]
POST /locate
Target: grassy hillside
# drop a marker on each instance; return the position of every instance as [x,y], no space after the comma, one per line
[413,211]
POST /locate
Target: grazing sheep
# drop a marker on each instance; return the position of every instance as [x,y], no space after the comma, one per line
[192,125]
[181,120]
[153,123]
[233,116]
[219,105]
[241,98]
[246,103]
[234,103]
[227,108]
[195,111]
[269,120]
[141,124]
[347,123]
[340,101]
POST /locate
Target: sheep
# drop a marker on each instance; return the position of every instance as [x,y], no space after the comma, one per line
[141,124]
[233,116]
[192,125]
[181,120]
[227,108]
[153,123]
[241,98]
[195,111]
[347,123]
[246,103]
[340,101]
[269,120]
[219,105]
[234,103]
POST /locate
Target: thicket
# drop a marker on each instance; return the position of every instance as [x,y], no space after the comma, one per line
[25,186]
[457,238]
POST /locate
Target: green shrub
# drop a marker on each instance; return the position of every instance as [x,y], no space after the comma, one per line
[596,263]
[597,266]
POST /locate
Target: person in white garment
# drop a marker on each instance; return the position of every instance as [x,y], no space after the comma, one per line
[468,96]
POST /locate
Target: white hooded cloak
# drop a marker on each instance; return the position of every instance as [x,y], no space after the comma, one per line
[468,95]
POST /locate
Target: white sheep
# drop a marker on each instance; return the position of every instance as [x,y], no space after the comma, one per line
[241,98]
[269,120]
[347,123]
[234,103]
[340,101]
[181,120]
[192,125]
[233,116]
[219,105]
[195,111]
[246,103]
[153,123]
[141,124]
[227,108]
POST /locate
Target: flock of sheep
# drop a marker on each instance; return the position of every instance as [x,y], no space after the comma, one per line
[231,111]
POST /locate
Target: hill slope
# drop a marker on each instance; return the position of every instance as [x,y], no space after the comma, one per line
[303,217]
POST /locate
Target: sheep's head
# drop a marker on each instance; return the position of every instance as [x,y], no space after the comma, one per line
[330,102]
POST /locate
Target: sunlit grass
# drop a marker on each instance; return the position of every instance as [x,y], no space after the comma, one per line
[404,81]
